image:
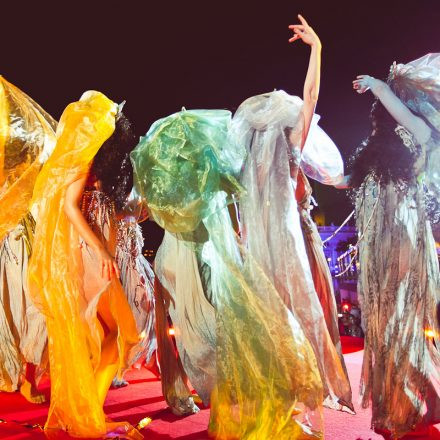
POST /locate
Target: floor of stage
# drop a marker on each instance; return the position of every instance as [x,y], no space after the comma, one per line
[143,398]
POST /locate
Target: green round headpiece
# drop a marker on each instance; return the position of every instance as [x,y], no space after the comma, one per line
[180,165]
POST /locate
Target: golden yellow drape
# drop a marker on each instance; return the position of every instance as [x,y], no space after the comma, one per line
[56,278]
[26,133]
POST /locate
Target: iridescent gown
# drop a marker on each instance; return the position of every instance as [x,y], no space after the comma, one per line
[266,380]
[399,289]
[270,127]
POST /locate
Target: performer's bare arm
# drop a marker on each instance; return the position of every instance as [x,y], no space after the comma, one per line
[72,202]
[403,116]
[312,82]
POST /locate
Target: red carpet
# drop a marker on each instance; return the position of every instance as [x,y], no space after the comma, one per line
[143,398]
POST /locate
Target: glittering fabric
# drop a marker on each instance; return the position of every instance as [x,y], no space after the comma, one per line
[137,278]
[399,289]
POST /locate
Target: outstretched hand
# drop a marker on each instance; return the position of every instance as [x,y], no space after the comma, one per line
[362,83]
[304,32]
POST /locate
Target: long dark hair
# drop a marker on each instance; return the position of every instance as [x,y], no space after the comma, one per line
[383,154]
[112,166]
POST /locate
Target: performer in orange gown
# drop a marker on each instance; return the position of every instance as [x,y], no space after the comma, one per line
[73,276]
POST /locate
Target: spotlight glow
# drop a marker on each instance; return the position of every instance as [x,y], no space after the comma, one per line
[429,333]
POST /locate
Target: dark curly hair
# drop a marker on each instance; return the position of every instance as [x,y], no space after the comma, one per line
[111,165]
[383,153]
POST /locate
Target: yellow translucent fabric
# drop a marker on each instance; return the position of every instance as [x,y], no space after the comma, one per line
[27,133]
[61,285]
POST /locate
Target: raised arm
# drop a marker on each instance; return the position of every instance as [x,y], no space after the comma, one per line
[312,82]
[72,202]
[403,116]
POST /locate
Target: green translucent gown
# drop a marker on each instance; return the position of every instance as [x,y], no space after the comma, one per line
[266,383]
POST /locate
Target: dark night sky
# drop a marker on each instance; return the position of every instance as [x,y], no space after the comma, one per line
[212,54]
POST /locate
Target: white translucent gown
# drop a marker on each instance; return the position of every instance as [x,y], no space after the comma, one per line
[270,126]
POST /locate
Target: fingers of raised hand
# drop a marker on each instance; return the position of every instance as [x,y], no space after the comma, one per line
[302,20]
[294,38]
[297,26]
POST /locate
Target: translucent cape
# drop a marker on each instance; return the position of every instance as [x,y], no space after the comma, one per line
[56,277]
[418,85]
[27,136]
[267,378]
[270,128]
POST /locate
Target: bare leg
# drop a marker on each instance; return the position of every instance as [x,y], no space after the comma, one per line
[108,366]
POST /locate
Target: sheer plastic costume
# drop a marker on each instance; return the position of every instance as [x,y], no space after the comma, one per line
[417,84]
[66,283]
[27,136]
[23,335]
[399,289]
[270,127]
[181,293]
[267,382]
[322,277]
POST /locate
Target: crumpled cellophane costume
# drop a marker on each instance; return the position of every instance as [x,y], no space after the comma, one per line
[27,136]
[59,280]
[322,277]
[267,381]
[270,128]
[417,84]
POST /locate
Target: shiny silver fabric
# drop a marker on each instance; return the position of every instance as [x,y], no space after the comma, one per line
[23,335]
[399,289]
[177,268]
[417,84]
[322,277]
[271,128]
[137,279]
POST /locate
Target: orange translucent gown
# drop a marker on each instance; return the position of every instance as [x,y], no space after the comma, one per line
[68,293]
[27,135]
